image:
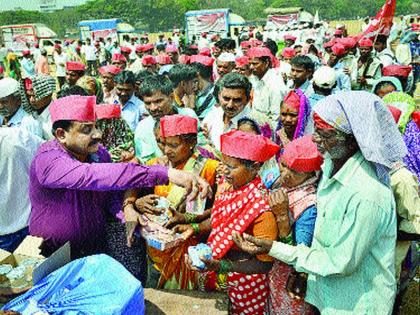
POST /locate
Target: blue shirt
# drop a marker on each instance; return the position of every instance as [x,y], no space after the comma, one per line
[133,111]
[343,80]
[24,120]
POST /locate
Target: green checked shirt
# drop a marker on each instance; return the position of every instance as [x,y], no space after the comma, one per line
[351,260]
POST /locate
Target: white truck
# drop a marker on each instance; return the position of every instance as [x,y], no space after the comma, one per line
[217,21]
[17,36]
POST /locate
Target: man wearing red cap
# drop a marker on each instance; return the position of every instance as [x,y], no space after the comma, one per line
[289,40]
[119,60]
[74,71]
[368,67]
[268,84]
[108,74]
[149,63]
[343,79]
[73,183]
[242,66]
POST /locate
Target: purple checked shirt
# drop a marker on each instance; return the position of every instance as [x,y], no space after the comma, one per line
[69,198]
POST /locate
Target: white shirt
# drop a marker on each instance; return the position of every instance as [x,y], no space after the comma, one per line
[268,94]
[17,147]
[60,62]
[90,52]
[45,121]
[386,57]
[216,126]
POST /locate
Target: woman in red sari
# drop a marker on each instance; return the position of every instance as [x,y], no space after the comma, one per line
[243,208]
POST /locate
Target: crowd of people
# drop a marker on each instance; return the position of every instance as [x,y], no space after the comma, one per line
[302,153]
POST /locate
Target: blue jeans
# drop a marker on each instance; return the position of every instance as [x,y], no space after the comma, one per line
[11,241]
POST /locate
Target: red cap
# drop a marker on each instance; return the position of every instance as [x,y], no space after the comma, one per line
[204,60]
[205,52]
[171,49]
[75,66]
[139,48]
[348,42]
[329,44]
[395,112]
[175,125]
[242,61]
[184,59]
[57,46]
[125,49]
[145,47]
[28,84]
[338,32]
[321,123]
[415,116]
[288,52]
[163,59]
[339,50]
[246,43]
[119,57]
[26,53]
[255,43]
[97,43]
[290,37]
[110,69]
[396,71]
[258,52]
[108,111]
[1,70]
[292,100]
[74,107]
[365,42]
[148,60]
[302,155]
[193,47]
[415,27]
[36,45]
[245,145]
[204,34]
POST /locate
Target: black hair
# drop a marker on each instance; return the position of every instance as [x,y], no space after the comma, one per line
[270,44]
[189,137]
[382,84]
[160,47]
[249,122]
[236,81]
[181,72]
[156,83]
[204,71]
[79,73]
[63,124]
[381,39]
[72,90]
[248,163]
[125,77]
[313,48]
[229,44]
[303,62]
[141,75]
[219,44]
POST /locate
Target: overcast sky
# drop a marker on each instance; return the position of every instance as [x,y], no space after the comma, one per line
[6,5]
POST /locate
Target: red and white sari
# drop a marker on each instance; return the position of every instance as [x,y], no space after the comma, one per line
[236,211]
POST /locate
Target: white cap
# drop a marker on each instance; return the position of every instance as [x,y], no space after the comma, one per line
[226,57]
[8,86]
[325,77]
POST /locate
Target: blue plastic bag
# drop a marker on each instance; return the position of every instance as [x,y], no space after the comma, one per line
[92,285]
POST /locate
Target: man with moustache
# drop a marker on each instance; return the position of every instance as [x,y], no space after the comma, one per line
[157,93]
[73,182]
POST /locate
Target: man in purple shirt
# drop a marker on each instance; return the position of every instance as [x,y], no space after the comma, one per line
[73,182]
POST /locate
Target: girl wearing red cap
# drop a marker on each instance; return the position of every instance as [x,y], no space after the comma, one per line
[244,207]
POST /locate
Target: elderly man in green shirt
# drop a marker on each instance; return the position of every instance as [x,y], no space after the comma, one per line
[351,262]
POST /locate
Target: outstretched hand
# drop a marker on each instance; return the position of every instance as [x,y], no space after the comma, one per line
[194,184]
[252,245]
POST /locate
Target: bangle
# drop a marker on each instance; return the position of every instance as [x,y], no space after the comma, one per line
[128,202]
[225,266]
[287,240]
[189,217]
[196,228]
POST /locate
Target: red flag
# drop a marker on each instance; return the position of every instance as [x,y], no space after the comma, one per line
[382,22]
